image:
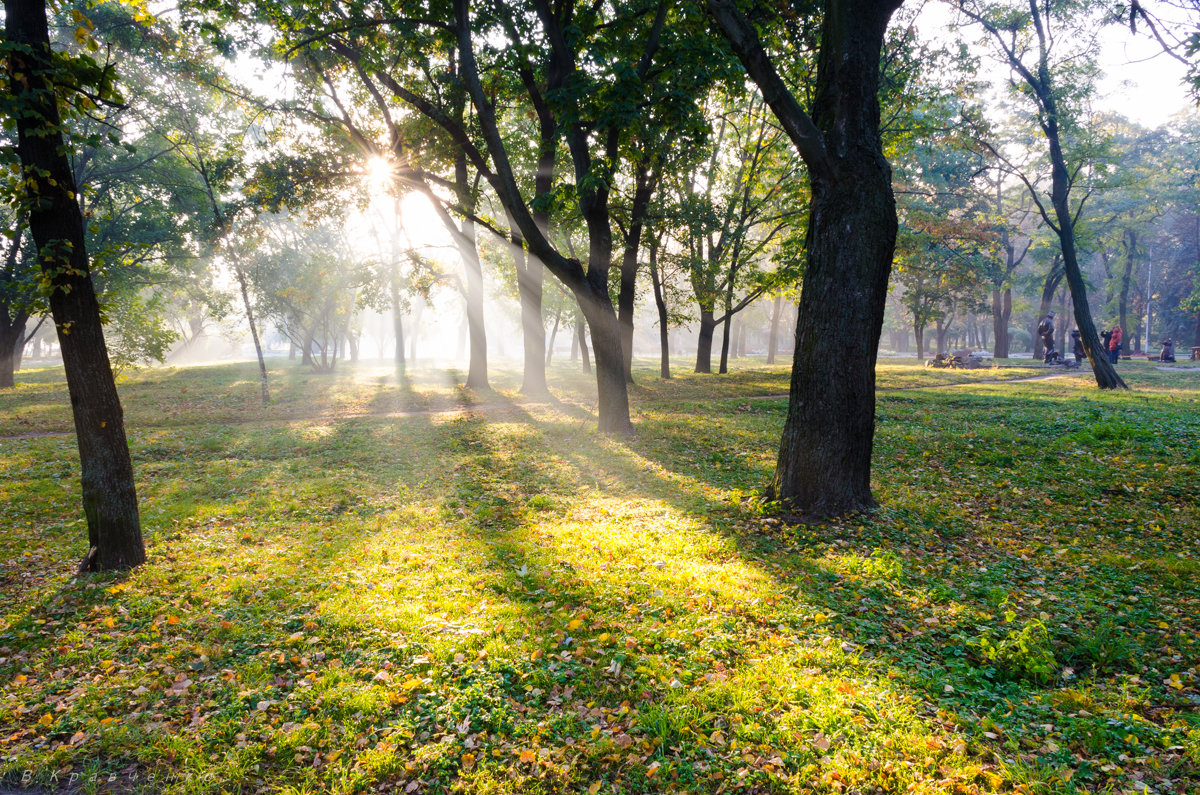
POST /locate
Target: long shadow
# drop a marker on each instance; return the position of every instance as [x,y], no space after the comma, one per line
[511,471]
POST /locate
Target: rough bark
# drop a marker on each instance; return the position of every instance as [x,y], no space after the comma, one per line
[56,224]
[824,464]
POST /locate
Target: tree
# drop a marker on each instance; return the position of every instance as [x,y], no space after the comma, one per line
[824,463]
[38,78]
[732,206]
[1029,38]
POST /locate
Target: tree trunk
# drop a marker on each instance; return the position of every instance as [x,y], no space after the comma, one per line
[553,336]
[1001,315]
[477,371]
[56,223]
[581,338]
[1126,278]
[919,333]
[530,286]
[773,337]
[397,320]
[824,464]
[262,363]
[643,190]
[12,342]
[708,325]
[660,302]
[942,327]
[726,338]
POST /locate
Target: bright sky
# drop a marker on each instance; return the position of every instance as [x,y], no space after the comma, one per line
[1140,81]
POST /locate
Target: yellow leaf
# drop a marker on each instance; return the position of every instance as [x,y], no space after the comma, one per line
[20,680]
[574,624]
[411,684]
[46,720]
[594,788]
[108,622]
[468,761]
[527,756]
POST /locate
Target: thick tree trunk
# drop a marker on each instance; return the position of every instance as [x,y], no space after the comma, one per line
[612,398]
[708,326]
[919,333]
[660,302]
[824,464]
[773,337]
[56,223]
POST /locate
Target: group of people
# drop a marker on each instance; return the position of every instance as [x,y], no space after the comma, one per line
[1111,338]
[1112,343]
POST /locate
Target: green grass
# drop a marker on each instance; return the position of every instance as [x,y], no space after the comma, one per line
[372,585]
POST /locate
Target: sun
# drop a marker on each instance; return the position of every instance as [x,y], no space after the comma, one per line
[379,172]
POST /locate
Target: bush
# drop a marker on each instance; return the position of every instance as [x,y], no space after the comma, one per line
[1024,654]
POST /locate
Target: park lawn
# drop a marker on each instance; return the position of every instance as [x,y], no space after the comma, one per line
[372,585]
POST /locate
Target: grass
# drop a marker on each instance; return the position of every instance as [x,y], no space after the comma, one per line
[373,585]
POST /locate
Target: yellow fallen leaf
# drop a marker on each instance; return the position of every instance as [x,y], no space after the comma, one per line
[594,788]
[574,624]
[527,756]
[108,622]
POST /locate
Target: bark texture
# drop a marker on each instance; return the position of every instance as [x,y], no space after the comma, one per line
[56,224]
[824,463]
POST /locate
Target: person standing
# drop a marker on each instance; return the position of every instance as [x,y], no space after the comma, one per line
[1114,345]
[1077,345]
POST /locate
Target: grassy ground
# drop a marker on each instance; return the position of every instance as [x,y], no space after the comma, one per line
[374,586]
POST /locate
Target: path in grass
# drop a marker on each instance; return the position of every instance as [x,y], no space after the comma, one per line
[506,602]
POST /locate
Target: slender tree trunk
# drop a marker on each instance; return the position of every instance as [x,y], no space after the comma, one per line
[643,190]
[1126,279]
[581,338]
[1105,374]
[1001,315]
[919,333]
[553,336]
[726,336]
[660,302]
[773,337]
[708,326]
[740,336]
[262,363]
[56,223]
